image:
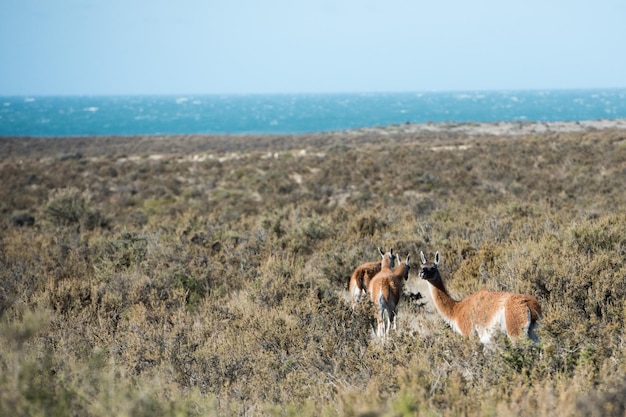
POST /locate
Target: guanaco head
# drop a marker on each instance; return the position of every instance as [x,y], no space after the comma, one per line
[388,258]
[429,271]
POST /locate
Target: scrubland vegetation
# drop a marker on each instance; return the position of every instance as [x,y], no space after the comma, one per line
[199,276]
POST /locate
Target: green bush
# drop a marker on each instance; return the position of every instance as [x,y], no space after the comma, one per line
[66,206]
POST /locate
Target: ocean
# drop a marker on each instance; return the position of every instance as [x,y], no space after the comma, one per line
[51,116]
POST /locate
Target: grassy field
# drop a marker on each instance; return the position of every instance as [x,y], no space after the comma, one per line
[200,276]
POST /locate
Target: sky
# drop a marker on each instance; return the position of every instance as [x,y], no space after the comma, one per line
[112,47]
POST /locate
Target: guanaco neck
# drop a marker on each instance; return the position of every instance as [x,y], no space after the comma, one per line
[387,263]
[442,299]
[401,271]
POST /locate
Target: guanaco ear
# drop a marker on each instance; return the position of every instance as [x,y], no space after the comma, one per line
[423,257]
[407,259]
[437,258]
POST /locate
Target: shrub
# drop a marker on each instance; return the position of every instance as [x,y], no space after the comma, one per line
[70,207]
[66,206]
[216,286]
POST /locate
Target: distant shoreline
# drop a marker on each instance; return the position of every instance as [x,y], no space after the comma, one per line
[499,128]
[72,147]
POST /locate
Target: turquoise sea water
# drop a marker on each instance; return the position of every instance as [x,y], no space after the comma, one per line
[294,113]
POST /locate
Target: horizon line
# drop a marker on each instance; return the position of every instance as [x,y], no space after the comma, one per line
[318,93]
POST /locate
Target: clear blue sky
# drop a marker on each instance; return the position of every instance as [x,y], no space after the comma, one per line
[289,46]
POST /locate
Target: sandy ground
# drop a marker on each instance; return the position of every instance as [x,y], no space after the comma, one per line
[225,147]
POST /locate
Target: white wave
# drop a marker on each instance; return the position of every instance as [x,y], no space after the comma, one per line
[181,100]
[29,100]
[91,109]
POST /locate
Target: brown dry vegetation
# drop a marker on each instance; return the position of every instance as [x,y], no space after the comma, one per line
[207,275]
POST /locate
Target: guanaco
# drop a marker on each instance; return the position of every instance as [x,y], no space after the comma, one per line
[385,291]
[485,312]
[363,274]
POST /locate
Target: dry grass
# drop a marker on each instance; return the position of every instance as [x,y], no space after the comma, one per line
[208,275]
